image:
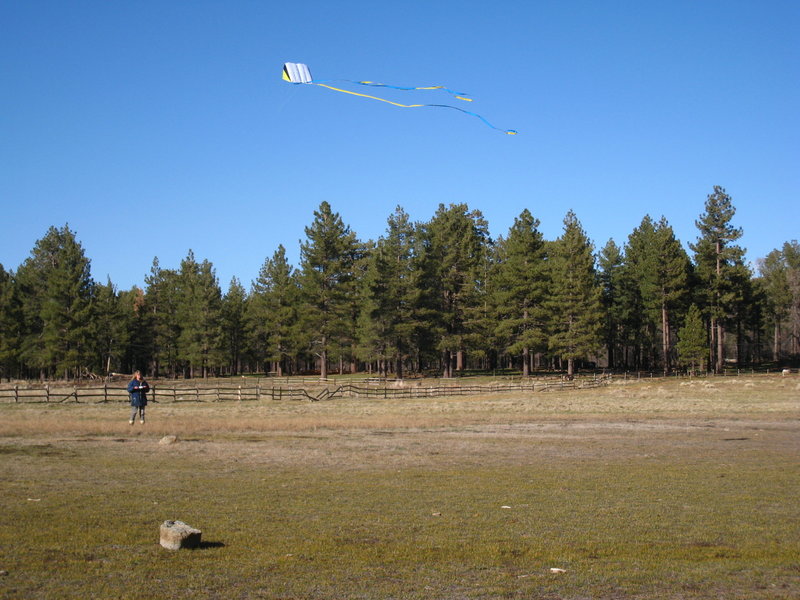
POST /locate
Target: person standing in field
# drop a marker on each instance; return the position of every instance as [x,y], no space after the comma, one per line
[138,389]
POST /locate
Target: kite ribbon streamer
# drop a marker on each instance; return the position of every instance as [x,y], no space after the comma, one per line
[459,95]
[330,87]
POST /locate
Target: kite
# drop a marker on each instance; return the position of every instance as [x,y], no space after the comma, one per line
[299,74]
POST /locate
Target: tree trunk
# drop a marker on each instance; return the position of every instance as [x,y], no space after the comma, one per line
[712,351]
[665,338]
[323,362]
[776,342]
[720,347]
[526,362]
[570,368]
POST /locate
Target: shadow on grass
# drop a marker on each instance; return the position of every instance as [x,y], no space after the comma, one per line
[209,545]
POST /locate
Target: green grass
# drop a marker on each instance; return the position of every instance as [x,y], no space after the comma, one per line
[681,507]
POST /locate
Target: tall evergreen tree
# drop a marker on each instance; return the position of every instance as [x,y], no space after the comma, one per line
[610,261]
[575,298]
[719,266]
[775,287]
[111,329]
[161,327]
[640,268]
[660,267]
[456,245]
[791,257]
[10,325]
[519,289]
[273,319]
[388,319]
[139,349]
[327,263]
[199,312]
[234,325]
[56,292]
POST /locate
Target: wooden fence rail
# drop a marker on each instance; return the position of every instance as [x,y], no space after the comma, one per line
[106,393]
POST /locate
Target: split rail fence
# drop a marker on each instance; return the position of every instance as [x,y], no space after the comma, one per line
[112,393]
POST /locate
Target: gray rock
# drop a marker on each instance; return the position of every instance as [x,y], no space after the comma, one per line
[168,439]
[177,534]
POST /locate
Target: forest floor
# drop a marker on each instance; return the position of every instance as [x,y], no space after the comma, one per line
[645,489]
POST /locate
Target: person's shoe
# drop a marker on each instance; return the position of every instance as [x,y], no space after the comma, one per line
[141,421]
[131,421]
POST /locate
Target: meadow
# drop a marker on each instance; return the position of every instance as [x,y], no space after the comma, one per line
[668,489]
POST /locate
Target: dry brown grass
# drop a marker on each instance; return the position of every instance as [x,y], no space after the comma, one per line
[638,400]
[623,417]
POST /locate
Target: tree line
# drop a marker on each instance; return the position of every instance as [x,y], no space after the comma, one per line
[438,297]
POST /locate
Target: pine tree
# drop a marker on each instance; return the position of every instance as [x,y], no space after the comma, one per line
[456,243]
[640,274]
[719,266]
[111,329]
[56,292]
[234,327]
[199,312]
[574,304]
[660,267]
[388,317]
[791,257]
[327,263]
[161,328]
[519,289]
[775,287]
[272,316]
[140,346]
[692,343]
[611,262]
[10,325]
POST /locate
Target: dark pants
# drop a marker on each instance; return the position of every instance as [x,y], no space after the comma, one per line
[137,409]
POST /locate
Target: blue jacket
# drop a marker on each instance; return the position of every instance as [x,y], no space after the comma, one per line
[138,391]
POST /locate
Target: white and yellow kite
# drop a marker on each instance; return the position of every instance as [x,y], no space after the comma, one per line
[298,73]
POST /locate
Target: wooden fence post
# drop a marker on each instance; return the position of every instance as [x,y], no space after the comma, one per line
[75,392]
[47,393]
[16,393]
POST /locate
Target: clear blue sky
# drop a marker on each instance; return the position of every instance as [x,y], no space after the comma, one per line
[153,127]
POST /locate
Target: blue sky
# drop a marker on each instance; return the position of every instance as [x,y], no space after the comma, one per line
[155,127]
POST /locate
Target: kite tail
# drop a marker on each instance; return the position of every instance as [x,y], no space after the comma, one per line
[459,95]
[330,87]
[507,131]
[335,89]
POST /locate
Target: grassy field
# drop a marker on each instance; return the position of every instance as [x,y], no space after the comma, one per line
[675,489]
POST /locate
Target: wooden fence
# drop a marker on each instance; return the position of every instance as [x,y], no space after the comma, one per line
[112,393]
